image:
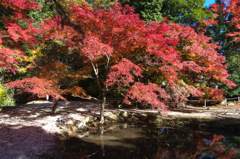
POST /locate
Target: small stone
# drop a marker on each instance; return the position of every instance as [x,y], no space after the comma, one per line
[223,102]
[70,122]
[125,114]
[125,125]
[144,115]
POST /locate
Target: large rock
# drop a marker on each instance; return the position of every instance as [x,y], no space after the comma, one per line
[111,116]
[223,102]
[82,123]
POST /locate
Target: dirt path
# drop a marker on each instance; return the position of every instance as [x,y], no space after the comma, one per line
[29,131]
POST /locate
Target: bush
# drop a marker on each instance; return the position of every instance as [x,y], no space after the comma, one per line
[6,97]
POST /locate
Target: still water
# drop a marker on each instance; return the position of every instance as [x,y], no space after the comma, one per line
[147,142]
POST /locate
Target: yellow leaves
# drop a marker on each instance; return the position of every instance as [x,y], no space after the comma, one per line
[21,69]
[102,3]
[3,92]
[31,55]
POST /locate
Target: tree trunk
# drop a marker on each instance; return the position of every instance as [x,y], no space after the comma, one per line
[102,108]
[102,139]
[54,106]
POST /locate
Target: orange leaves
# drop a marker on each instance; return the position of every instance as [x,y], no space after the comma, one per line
[215,94]
[76,92]
[54,71]
[36,86]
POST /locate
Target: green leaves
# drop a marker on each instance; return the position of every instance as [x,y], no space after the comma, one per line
[179,11]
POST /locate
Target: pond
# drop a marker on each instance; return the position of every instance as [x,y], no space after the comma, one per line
[146,142]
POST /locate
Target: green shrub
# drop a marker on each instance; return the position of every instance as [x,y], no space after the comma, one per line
[6,96]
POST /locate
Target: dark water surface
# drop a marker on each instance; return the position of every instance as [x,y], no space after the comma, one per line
[145,142]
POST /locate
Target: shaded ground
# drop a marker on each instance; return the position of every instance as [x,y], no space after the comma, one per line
[29,131]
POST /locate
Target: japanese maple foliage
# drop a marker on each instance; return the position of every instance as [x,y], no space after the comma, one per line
[199,61]
[233,9]
[36,86]
[153,63]
[224,29]
[12,36]
[8,59]
[127,54]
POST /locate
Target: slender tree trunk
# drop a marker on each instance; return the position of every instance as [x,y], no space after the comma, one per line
[102,139]
[102,107]
[54,106]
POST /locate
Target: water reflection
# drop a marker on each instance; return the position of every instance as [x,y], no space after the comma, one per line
[121,141]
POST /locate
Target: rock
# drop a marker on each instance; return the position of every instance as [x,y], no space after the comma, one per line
[223,102]
[125,125]
[113,127]
[111,115]
[125,114]
[231,103]
[82,123]
[69,122]
[144,115]
[84,134]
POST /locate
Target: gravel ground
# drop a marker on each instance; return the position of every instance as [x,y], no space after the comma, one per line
[30,132]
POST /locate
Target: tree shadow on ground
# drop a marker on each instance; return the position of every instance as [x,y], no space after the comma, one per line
[27,142]
[40,110]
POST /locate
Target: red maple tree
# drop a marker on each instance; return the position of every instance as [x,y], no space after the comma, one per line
[12,37]
[153,63]
[127,54]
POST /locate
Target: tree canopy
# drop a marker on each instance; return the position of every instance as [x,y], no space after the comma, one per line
[224,29]
[154,63]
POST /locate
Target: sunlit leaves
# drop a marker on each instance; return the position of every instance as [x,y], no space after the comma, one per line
[36,86]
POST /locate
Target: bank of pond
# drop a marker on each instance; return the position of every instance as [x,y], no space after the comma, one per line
[158,138]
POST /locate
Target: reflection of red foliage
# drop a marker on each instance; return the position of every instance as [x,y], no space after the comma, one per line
[196,146]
